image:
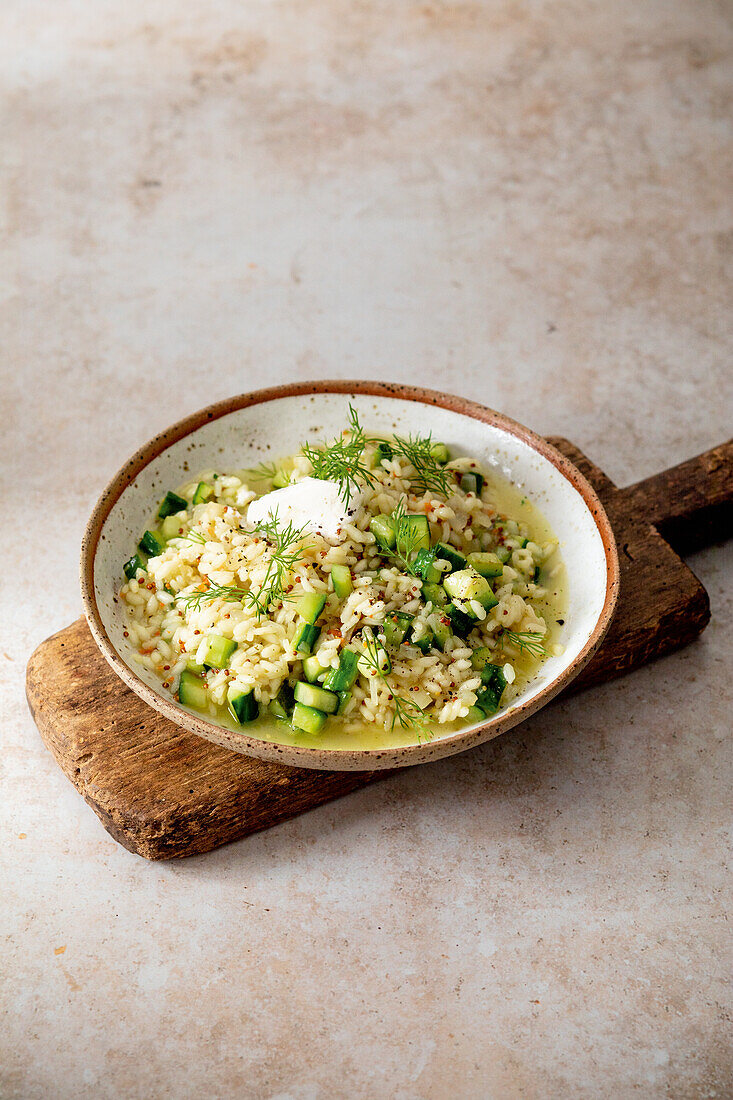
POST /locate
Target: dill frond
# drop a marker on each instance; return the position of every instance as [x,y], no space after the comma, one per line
[430,475]
[286,550]
[265,471]
[407,713]
[526,641]
[342,461]
[407,538]
[190,536]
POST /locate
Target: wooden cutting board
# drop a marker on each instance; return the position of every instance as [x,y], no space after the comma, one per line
[164,793]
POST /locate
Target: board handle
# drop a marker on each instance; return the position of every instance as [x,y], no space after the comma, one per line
[691,504]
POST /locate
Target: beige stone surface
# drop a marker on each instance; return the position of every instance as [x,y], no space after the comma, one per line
[525,202]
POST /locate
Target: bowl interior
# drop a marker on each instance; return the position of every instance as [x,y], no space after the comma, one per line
[276,427]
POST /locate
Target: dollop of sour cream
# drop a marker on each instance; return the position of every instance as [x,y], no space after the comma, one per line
[310,503]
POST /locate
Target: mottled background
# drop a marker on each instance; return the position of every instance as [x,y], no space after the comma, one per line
[528,203]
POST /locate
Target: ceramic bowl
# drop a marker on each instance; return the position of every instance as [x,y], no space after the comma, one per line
[244,430]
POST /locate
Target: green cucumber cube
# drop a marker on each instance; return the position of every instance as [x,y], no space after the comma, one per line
[192,691]
[435,594]
[305,638]
[218,651]
[396,625]
[308,719]
[342,581]
[203,493]
[313,668]
[383,529]
[343,678]
[440,453]
[488,565]
[171,504]
[419,531]
[310,695]
[131,566]
[454,557]
[472,483]
[488,698]
[152,543]
[242,705]
[423,566]
[310,606]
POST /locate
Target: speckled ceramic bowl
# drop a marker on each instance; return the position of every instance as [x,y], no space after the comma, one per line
[242,431]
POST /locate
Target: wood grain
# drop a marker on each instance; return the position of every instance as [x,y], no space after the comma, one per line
[164,793]
[690,504]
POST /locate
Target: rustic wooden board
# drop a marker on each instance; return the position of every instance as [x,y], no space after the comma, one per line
[164,793]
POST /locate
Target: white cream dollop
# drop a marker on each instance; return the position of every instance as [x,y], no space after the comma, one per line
[310,503]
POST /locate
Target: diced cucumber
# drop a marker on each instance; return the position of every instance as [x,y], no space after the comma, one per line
[440,453]
[196,669]
[383,529]
[462,623]
[435,594]
[467,584]
[454,557]
[131,566]
[277,710]
[310,606]
[305,638]
[396,625]
[472,482]
[317,697]
[489,696]
[282,705]
[488,599]
[170,527]
[424,641]
[308,719]
[480,656]
[152,543]
[503,554]
[203,493]
[313,668]
[488,565]
[342,582]
[192,691]
[218,651]
[441,632]
[475,714]
[523,543]
[170,504]
[419,526]
[342,678]
[344,697]
[384,451]
[281,479]
[536,574]
[423,566]
[242,705]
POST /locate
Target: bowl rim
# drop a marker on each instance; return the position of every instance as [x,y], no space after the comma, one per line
[342,759]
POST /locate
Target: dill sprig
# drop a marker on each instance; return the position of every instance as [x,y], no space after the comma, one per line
[407,538]
[526,641]
[286,550]
[264,471]
[195,600]
[430,475]
[407,713]
[190,536]
[342,461]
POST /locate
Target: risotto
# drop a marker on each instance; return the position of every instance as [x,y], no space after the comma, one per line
[362,592]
